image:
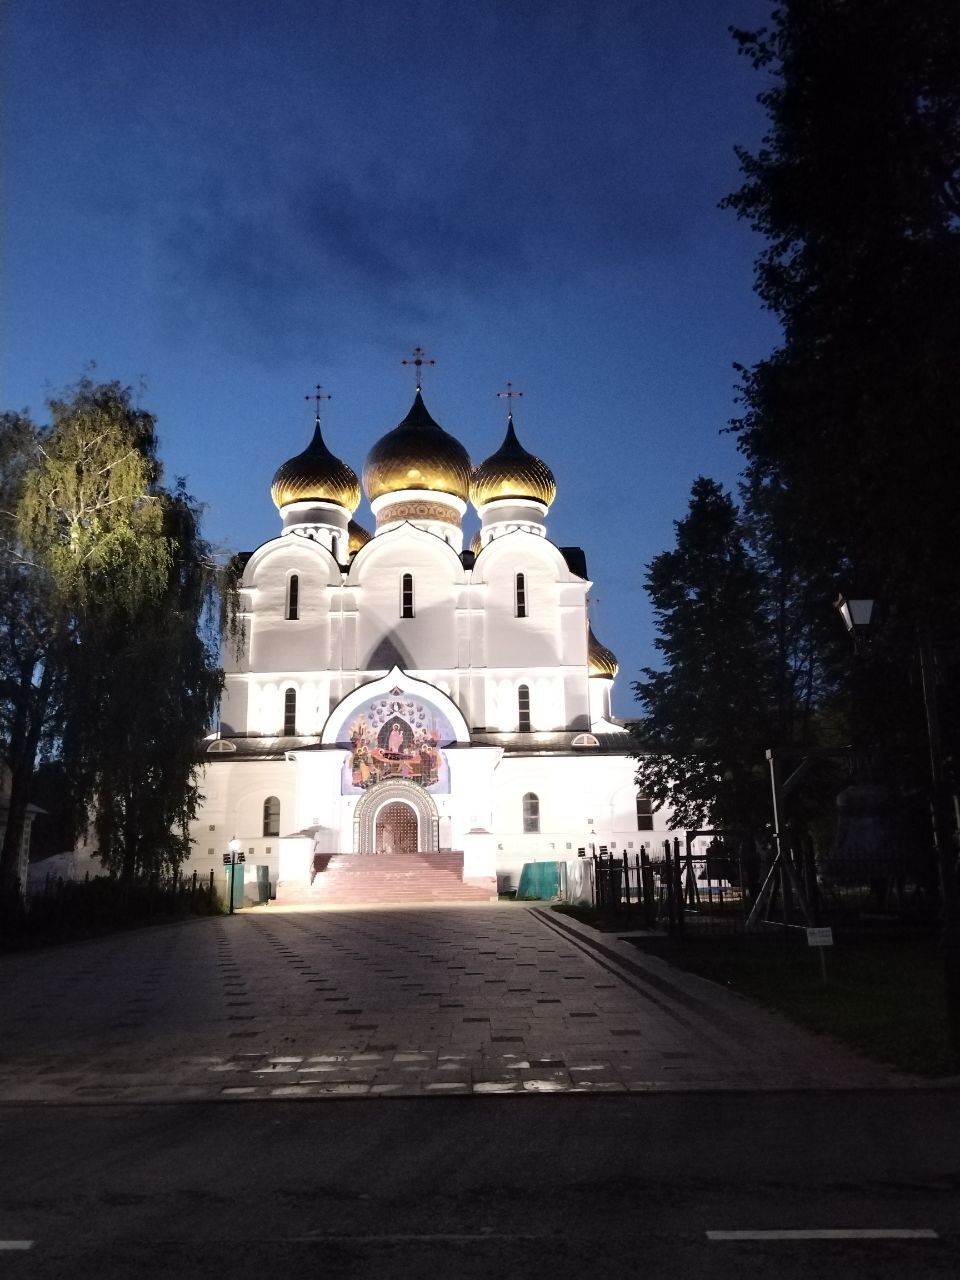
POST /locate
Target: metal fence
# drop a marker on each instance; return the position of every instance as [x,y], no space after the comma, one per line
[728,890]
[59,909]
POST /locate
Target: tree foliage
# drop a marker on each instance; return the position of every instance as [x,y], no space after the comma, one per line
[848,429]
[856,190]
[142,689]
[27,630]
[126,665]
[707,713]
[91,511]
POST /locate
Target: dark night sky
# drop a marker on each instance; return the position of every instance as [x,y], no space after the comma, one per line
[233,202]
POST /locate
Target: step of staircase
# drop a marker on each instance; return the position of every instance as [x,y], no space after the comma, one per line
[355,880]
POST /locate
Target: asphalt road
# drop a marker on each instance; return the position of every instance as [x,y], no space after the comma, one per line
[460,1093]
[549,1186]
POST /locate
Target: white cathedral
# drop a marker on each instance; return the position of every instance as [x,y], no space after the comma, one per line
[401,694]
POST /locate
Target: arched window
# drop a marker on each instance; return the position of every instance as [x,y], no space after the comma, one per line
[644,814]
[523,709]
[271,816]
[531,812]
[406,596]
[521,596]
[293,597]
[290,713]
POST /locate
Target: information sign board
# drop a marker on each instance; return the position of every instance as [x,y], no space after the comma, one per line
[819,937]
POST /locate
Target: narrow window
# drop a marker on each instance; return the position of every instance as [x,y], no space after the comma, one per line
[290,713]
[644,814]
[293,597]
[531,812]
[521,596]
[406,596]
[523,709]
[271,816]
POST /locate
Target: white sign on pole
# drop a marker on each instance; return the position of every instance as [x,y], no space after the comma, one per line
[819,937]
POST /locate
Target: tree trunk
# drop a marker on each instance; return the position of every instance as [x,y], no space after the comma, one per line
[31,710]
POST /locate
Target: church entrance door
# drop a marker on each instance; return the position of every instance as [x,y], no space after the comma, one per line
[397,828]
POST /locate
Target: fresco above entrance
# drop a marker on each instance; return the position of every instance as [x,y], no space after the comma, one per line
[395,735]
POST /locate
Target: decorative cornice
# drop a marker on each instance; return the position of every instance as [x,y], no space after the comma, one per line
[417,509]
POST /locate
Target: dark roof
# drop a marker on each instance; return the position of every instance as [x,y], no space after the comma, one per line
[554,744]
[576,560]
[254,748]
[515,744]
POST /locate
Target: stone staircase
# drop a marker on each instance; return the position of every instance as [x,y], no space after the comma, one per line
[353,879]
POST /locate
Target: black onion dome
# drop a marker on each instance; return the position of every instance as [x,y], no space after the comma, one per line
[316,475]
[417,454]
[600,660]
[512,472]
[357,537]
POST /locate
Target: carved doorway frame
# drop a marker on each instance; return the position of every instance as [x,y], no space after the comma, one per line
[384,793]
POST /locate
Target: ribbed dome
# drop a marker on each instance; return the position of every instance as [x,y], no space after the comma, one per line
[358,537]
[418,454]
[475,544]
[600,659]
[316,475]
[511,472]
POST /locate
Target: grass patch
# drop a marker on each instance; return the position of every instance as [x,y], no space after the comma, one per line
[883,996]
[603,922]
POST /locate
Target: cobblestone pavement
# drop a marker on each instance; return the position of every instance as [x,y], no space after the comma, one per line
[287,1004]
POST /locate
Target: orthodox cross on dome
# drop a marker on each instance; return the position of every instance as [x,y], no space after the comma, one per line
[509,395]
[418,360]
[317,396]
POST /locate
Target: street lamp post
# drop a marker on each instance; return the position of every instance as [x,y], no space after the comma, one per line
[857,615]
[234,857]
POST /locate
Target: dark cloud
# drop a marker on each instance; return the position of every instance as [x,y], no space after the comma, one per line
[332,171]
[268,242]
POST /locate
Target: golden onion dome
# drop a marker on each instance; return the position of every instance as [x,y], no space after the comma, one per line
[600,660]
[512,472]
[316,476]
[476,545]
[418,454]
[358,537]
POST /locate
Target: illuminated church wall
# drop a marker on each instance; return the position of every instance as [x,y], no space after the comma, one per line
[428,639]
[371,686]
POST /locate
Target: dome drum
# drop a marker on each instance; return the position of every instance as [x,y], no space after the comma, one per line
[417,505]
[326,515]
[498,510]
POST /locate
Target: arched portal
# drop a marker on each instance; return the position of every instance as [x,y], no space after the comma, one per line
[408,811]
[396,830]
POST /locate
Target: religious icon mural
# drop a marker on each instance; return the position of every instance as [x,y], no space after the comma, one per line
[395,735]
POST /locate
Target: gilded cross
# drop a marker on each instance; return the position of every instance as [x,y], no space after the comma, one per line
[418,360]
[509,395]
[317,396]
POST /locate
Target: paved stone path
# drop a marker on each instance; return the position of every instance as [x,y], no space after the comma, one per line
[285,1004]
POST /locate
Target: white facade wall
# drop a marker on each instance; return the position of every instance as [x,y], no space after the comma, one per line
[465,642]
